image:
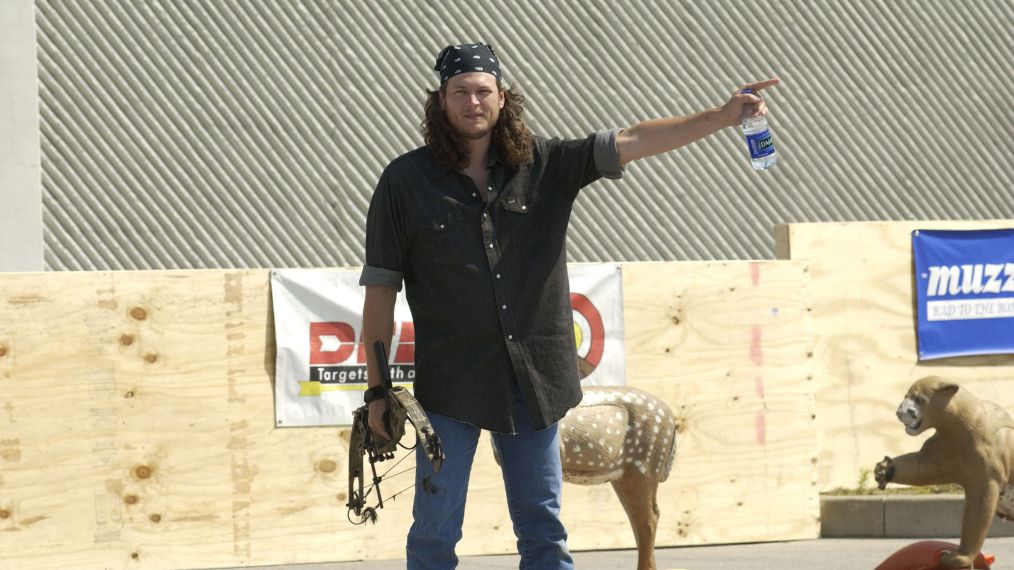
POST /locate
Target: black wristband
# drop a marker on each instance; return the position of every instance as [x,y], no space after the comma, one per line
[374,393]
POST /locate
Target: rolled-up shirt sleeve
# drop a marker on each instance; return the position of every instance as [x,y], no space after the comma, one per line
[379,276]
[386,241]
[576,163]
[607,158]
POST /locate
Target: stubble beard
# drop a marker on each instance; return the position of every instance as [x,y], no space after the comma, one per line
[472,135]
[475,135]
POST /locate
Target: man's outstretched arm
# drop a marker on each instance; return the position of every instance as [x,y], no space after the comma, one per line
[656,136]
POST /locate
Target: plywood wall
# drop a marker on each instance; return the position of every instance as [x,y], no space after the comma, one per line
[137,426]
[866,356]
[729,347]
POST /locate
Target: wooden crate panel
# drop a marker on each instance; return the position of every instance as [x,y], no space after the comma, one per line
[866,356]
[137,424]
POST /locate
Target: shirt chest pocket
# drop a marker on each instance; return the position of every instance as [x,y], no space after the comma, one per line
[519,197]
[443,221]
[515,206]
[442,236]
[517,215]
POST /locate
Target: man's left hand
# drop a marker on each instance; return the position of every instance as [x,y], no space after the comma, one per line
[742,105]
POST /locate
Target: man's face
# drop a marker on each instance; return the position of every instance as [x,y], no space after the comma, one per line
[472,103]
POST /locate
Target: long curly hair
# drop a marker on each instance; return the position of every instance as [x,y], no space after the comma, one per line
[511,136]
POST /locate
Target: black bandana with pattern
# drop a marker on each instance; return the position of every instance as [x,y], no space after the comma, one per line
[467,58]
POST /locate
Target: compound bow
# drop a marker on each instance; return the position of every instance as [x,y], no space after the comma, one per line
[401,406]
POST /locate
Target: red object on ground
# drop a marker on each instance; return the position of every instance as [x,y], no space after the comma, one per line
[925,555]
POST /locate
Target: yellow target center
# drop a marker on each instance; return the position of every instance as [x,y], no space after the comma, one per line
[578,335]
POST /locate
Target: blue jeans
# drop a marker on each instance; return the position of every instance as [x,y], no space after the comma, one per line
[533,479]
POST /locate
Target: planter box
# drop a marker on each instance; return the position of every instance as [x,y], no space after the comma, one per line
[898,516]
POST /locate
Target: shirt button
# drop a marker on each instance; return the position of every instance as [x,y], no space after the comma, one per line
[474,194]
[504,307]
[441,226]
[497,275]
[485,215]
[491,246]
[510,337]
[524,208]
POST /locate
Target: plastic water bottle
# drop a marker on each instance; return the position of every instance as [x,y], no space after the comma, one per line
[758,140]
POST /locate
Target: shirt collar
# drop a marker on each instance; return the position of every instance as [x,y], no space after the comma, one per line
[440,170]
[494,155]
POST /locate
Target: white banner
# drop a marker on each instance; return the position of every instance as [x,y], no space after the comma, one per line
[320,368]
[596,294]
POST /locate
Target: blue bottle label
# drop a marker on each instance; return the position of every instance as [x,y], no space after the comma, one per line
[760,144]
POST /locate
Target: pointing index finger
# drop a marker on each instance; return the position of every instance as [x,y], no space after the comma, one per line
[760,85]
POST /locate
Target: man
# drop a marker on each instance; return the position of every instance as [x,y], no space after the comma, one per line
[475,225]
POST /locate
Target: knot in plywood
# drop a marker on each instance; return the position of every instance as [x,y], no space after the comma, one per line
[139,313]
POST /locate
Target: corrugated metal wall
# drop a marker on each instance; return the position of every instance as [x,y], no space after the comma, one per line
[250,133]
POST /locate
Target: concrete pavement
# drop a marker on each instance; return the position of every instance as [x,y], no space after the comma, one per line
[820,554]
[859,533]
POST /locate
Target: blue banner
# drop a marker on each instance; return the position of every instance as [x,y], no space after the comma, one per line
[964,283]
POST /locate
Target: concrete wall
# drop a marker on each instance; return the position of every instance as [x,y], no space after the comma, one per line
[181,135]
[20,176]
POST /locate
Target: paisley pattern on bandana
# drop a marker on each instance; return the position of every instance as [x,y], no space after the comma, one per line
[467,58]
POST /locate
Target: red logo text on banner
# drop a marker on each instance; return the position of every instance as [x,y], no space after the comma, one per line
[331,343]
[334,343]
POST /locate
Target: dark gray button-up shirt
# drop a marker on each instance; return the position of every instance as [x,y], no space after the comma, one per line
[487,280]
